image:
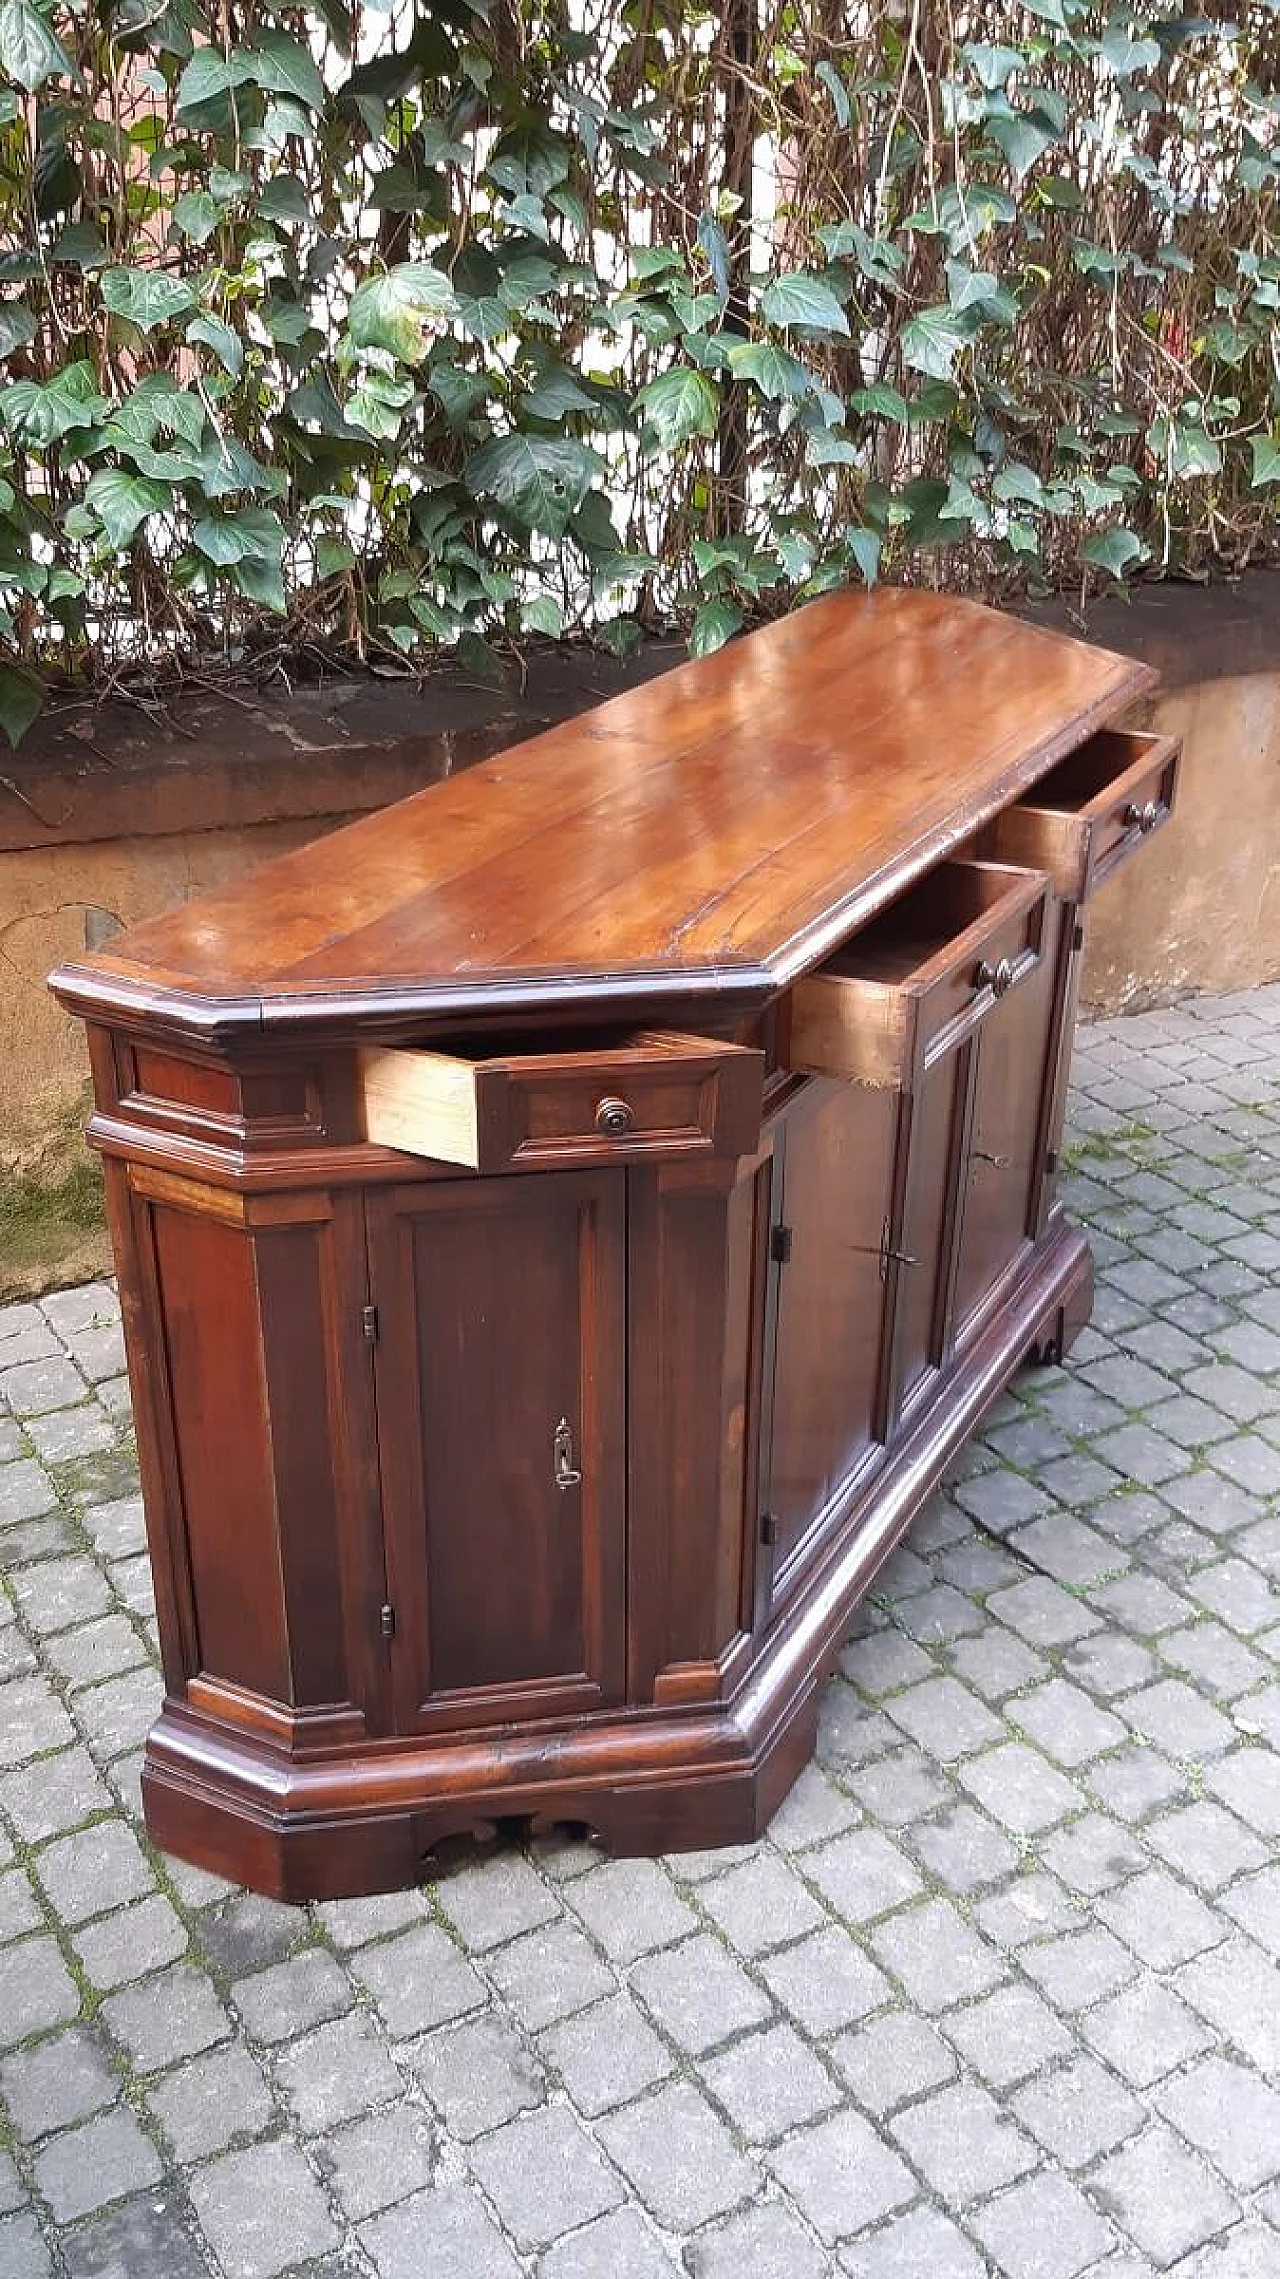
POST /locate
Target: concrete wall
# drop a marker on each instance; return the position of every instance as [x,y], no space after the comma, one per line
[91,844]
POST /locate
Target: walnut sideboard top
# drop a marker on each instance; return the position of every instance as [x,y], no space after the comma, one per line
[694,844]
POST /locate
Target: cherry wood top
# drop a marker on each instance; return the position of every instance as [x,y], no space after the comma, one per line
[703,839]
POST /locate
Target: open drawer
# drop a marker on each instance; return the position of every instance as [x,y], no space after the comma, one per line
[924,973]
[1091,812]
[645,1094]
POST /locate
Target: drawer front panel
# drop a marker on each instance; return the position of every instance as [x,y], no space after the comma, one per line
[1092,812]
[653,1096]
[922,978]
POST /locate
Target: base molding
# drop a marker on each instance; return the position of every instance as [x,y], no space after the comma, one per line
[342,1824]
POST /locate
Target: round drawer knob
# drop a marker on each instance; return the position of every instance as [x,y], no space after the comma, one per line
[614,1118]
[1146,818]
[997,978]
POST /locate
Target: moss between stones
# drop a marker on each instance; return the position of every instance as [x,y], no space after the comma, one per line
[52,1227]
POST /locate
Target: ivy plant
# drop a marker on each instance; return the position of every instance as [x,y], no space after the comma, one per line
[350,331]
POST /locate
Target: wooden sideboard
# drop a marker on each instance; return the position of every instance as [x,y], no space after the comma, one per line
[567,1221]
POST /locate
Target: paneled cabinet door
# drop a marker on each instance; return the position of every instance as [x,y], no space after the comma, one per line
[499,1373]
[1008,1134]
[825,1365]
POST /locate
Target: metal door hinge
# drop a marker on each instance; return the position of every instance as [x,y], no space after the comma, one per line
[780,1245]
[1050,1161]
[387,1621]
[1077,935]
[768,1527]
[369,1323]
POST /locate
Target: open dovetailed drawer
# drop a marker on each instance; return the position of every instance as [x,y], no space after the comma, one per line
[1091,812]
[932,965]
[531,1106]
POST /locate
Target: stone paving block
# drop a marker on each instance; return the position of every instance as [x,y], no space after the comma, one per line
[1230,2115]
[336,2073]
[55,1794]
[944,1718]
[1250,1461]
[61,2080]
[964,1850]
[1078,2112]
[761,1905]
[1031,1907]
[1068,1549]
[938,1615]
[101,2160]
[963,2143]
[32,1720]
[118,1714]
[1065,1723]
[1044,1614]
[418,1979]
[550,1973]
[34,1386]
[63,1434]
[1144,2032]
[36,1990]
[1160,1919]
[1206,1844]
[770,2082]
[996,1664]
[116,1528]
[631,1907]
[444,2233]
[1238,1594]
[93,1870]
[862,1874]
[131,1943]
[1143,1604]
[1251,2250]
[477,2075]
[767,2241]
[1211,1502]
[679,2157]
[1080,1968]
[23,2254]
[1249,1783]
[173,2015]
[698,1994]
[26,1491]
[842,2175]
[901,1787]
[1176,1718]
[545,2177]
[95,1650]
[812,1811]
[879,1664]
[1008,2035]
[207,2102]
[1092,1854]
[1019,1788]
[936,1956]
[1236,1987]
[1043,2228]
[921,2241]
[826,1981]
[19,1909]
[144,2238]
[1254,1904]
[13,2191]
[248,1932]
[491,1900]
[606,2055]
[283,2001]
[352,1923]
[262,2210]
[382,2158]
[1216,1661]
[1162,2195]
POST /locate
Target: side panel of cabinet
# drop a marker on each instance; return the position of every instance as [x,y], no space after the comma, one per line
[829,1373]
[500,1397]
[254,1408]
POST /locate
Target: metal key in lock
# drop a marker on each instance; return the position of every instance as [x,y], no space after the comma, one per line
[564,1471]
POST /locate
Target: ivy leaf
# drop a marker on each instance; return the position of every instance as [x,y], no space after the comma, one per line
[197,214]
[540,480]
[252,535]
[932,340]
[882,400]
[333,556]
[715,623]
[1023,140]
[1185,450]
[865,546]
[122,503]
[30,50]
[543,615]
[261,581]
[20,700]
[1266,459]
[226,345]
[208,75]
[1126,54]
[284,200]
[147,297]
[1113,550]
[285,68]
[679,405]
[17,326]
[837,90]
[798,299]
[715,245]
[396,310]
[778,376]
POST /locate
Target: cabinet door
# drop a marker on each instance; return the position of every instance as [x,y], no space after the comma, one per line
[499,1375]
[824,1420]
[935,1135]
[1006,1140]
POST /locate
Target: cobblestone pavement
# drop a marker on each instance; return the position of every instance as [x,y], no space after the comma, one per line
[999,1991]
